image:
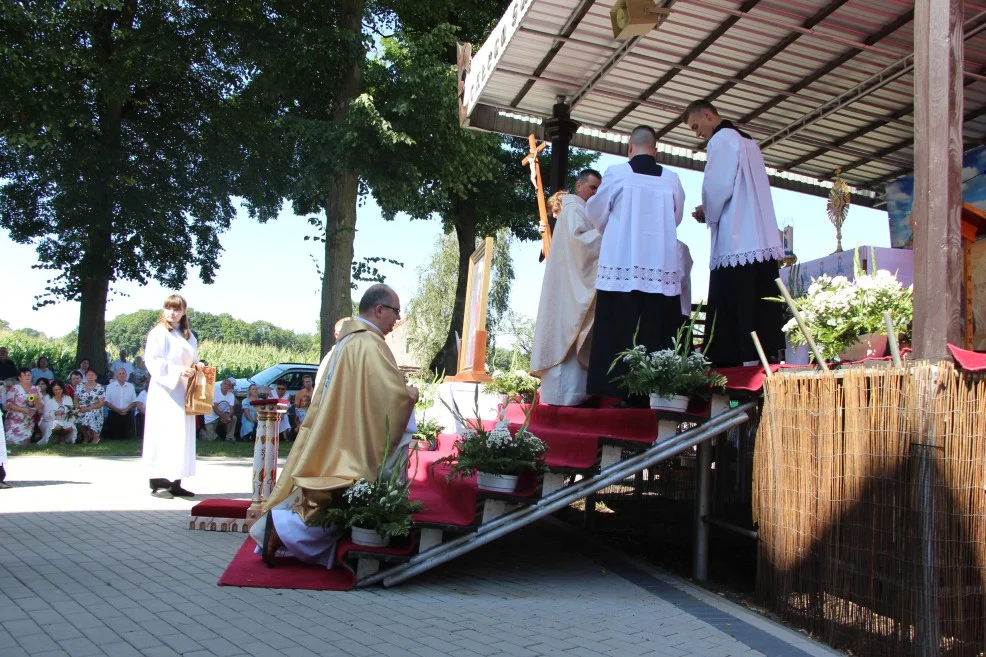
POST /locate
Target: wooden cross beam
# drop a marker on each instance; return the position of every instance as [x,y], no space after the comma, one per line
[531,160]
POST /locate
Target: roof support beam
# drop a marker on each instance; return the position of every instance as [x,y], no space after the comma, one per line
[875,82]
[904,143]
[936,216]
[706,43]
[866,129]
[573,21]
[779,47]
[874,38]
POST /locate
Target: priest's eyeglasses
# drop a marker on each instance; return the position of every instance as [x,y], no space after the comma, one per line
[397,311]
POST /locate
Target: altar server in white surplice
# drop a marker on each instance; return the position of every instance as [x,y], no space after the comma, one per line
[637,209]
[746,245]
[563,332]
[171,355]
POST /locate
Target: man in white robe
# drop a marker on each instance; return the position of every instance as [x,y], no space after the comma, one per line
[563,332]
[637,209]
[746,244]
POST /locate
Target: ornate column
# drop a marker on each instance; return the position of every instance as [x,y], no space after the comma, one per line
[560,129]
[265,447]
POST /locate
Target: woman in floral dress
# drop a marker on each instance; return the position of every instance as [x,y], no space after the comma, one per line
[90,398]
[23,404]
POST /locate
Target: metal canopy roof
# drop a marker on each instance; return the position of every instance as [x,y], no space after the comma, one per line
[820,84]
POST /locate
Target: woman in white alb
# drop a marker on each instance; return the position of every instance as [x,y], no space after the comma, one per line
[171,355]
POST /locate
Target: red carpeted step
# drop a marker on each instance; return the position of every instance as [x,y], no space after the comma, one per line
[248,569]
[221,508]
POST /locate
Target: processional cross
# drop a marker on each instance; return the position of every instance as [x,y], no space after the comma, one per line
[531,160]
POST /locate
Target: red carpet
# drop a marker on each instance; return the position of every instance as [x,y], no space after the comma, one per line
[449,501]
[971,361]
[248,569]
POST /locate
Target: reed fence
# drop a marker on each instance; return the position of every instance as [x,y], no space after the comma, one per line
[868,487]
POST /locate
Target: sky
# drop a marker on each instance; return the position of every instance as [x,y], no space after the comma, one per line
[269,272]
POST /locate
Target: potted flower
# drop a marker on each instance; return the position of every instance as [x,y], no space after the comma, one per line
[671,377]
[845,317]
[426,437]
[513,385]
[375,511]
[497,457]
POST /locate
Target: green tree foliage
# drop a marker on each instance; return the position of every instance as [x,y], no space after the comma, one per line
[130,331]
[430,310]
[327,137]
[114,155]
[473,181]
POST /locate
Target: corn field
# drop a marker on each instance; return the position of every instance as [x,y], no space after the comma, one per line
[229,358]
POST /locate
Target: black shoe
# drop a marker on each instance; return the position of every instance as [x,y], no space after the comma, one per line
[178,491]
[157,484]
[163,493]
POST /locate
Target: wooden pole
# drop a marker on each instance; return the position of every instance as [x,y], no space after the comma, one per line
[819,359]
[936,217]
[892,337]
[763,356]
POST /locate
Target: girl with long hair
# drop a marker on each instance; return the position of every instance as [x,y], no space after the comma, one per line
[171,357]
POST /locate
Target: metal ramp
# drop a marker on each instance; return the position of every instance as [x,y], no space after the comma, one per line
[557,495]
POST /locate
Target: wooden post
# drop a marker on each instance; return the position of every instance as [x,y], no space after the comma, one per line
[938,55]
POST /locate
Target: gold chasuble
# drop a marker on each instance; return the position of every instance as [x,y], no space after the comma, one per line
[343,438]
[568,293]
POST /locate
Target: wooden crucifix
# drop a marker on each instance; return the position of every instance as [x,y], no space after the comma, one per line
[531,160]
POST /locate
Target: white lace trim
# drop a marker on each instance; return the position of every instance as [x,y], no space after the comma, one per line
[644,279]
[747,257]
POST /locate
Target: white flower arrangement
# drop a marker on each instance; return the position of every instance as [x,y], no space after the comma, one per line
[839,311]
[495,451]
[668,372]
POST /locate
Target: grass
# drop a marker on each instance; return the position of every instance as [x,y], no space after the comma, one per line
[130,448]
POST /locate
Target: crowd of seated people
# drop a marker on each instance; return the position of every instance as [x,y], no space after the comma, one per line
[86,406]
[81,406]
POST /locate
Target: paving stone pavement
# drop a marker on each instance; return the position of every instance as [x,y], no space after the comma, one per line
[91,564]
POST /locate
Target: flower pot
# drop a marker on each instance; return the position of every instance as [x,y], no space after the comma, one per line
[871,345]
[676,403]
[796,355]
[369,537]
[424,445]
[497,483]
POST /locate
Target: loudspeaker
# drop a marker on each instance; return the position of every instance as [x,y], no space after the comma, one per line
[635,18]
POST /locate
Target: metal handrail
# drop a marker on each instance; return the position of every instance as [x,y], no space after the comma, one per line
[561,498]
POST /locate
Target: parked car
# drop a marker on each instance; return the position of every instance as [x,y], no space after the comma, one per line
[265,380]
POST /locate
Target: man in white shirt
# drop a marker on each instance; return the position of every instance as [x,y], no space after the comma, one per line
[120,400]
[140,410]
[222,417]
[746,245]
[563,333]
[637,209]
[124,363]
[280,391]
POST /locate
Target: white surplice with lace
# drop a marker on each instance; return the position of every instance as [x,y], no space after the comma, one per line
[638,217]
[737,203]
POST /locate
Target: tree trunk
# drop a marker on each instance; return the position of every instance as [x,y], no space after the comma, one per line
[340,227]
[92,322]
[341,195]
[465,233]
[97,263]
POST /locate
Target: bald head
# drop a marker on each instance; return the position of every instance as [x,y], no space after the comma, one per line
[643,141]
[381,307]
